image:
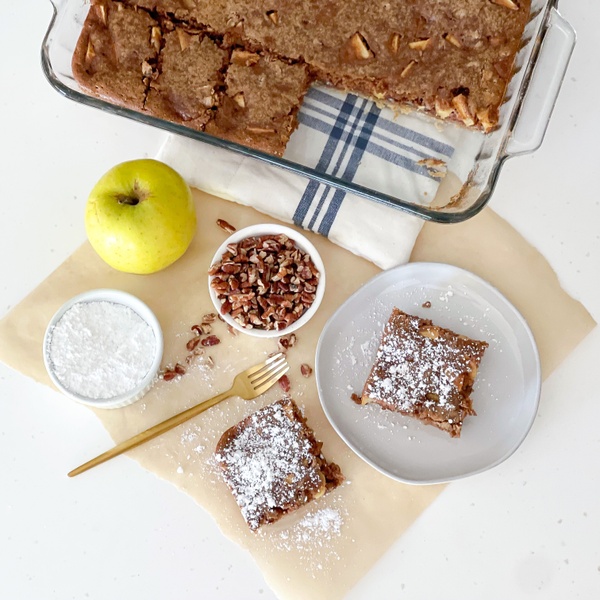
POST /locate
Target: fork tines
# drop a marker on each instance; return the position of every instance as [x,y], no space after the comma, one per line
[270,371]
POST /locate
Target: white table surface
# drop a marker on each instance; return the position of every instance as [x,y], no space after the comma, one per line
[529,528]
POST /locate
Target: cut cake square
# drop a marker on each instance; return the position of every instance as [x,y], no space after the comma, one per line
[424,371]
[115,53]
[273,464]
[189,75]
[261,100]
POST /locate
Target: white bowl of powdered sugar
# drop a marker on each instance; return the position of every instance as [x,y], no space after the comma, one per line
[103,348]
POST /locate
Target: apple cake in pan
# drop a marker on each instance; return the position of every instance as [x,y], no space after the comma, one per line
[239,69]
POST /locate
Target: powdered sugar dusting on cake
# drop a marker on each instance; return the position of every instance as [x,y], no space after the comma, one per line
[415,367]
[269,463]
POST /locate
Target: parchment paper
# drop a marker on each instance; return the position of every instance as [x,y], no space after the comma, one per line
[323,549]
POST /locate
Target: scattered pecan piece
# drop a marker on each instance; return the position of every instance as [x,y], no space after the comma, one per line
[203,329]
[284,382]
[306,370]
[191,345]
[191,357]
[356,398]
[211,340]
[172,372]
[228,227]
[287,341]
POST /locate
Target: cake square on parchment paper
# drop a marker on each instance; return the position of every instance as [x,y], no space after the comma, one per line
[273,464]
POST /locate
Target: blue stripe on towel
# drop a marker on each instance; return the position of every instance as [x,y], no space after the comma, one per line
[362,142]
[324,98]
[398,144]
[346,143]
[314,123]
[396,159]
[326,156]
[309,107]
[418,138]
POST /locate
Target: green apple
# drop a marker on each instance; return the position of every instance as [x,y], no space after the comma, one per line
[140,216]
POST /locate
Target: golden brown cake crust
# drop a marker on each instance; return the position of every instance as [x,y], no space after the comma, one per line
[273,464]
[424,371]
[451,58]
[425,53]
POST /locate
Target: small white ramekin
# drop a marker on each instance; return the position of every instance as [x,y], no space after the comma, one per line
[142,310]
[303,243]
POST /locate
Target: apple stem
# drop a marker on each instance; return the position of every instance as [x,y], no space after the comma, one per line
[135,196]
[129,200]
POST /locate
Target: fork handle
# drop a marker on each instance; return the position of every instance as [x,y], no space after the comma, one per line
[151,433]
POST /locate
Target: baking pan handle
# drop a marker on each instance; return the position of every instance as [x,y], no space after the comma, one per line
[542,92]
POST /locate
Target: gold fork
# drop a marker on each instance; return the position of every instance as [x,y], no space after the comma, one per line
[248,384]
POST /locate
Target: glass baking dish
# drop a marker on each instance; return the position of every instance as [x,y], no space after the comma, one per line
[474,166]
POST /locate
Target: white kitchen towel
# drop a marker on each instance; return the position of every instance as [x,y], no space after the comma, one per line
[343,135]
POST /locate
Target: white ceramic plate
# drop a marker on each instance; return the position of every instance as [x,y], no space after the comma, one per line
[506,392]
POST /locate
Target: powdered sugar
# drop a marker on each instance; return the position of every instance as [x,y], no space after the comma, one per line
[192,435]
[316,539]
[101,349]
[317,527]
